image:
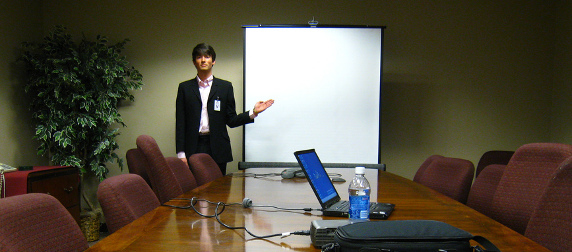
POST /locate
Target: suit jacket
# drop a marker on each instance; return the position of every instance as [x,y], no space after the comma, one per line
[189,115]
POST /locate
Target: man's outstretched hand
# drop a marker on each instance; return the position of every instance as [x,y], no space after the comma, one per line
[260,106]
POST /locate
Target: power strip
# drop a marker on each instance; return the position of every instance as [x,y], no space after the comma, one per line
[322,231]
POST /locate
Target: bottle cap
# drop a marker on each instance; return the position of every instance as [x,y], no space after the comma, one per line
[360,170]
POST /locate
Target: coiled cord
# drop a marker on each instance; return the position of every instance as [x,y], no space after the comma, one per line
[221,206]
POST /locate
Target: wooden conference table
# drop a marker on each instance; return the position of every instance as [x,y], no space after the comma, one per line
[170,229]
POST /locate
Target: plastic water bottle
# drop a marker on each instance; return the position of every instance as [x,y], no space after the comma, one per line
[359,196]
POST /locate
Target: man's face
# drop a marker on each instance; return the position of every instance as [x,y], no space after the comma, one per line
[204,63]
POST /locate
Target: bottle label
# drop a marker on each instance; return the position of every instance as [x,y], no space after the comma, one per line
[359,207]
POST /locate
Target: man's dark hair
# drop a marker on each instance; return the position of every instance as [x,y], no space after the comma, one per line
[204,49]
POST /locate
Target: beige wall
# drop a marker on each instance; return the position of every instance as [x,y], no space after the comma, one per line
[460,77]
[561,129]
[19,21]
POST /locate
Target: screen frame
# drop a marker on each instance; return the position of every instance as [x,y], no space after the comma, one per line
[382,28]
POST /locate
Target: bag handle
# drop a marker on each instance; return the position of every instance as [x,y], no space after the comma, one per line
[488,245]
[330,247]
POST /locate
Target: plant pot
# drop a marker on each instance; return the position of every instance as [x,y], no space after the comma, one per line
[89,224]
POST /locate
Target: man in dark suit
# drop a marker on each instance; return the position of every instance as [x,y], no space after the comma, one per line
[205,106]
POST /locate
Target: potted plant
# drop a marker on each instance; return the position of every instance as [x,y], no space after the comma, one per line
[75,89]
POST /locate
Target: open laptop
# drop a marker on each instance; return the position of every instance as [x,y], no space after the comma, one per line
[332,205]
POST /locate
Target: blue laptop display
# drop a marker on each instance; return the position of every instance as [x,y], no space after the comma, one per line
[329,199]
[318,176]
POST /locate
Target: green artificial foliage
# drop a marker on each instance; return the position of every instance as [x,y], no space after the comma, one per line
[75,89]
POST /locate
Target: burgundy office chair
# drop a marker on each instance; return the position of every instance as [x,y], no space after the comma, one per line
[450,176]
[551,222]
[484,188]
[204,168]
[493,157]
[38,222]
[163,180]
[124,198]
[183,174]
[524,180]
[424,166]
[137,164]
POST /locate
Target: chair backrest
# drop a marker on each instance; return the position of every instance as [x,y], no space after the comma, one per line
[124,198]
[484,188]
[551,222]
[38,222]
[204,168]
[137,163]
[163,180]
[493,157]
[183,174]
[424,166]
[524,180]
[450,176]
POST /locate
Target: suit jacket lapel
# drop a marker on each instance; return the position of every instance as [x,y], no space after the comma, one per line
[214,88]
[195,88]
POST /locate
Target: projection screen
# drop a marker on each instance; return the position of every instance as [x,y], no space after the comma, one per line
[326,83]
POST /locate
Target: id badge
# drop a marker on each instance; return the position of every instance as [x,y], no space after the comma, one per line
[217,105]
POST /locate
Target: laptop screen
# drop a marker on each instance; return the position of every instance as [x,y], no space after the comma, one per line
[317,175]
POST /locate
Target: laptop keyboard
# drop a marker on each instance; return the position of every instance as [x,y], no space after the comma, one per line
[342,206]
[345,205]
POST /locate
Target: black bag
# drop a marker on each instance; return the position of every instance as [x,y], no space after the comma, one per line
[405,236]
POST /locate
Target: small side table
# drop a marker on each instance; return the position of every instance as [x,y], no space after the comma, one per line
[62,182]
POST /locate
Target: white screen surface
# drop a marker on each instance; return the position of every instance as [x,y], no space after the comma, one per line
[326,83]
